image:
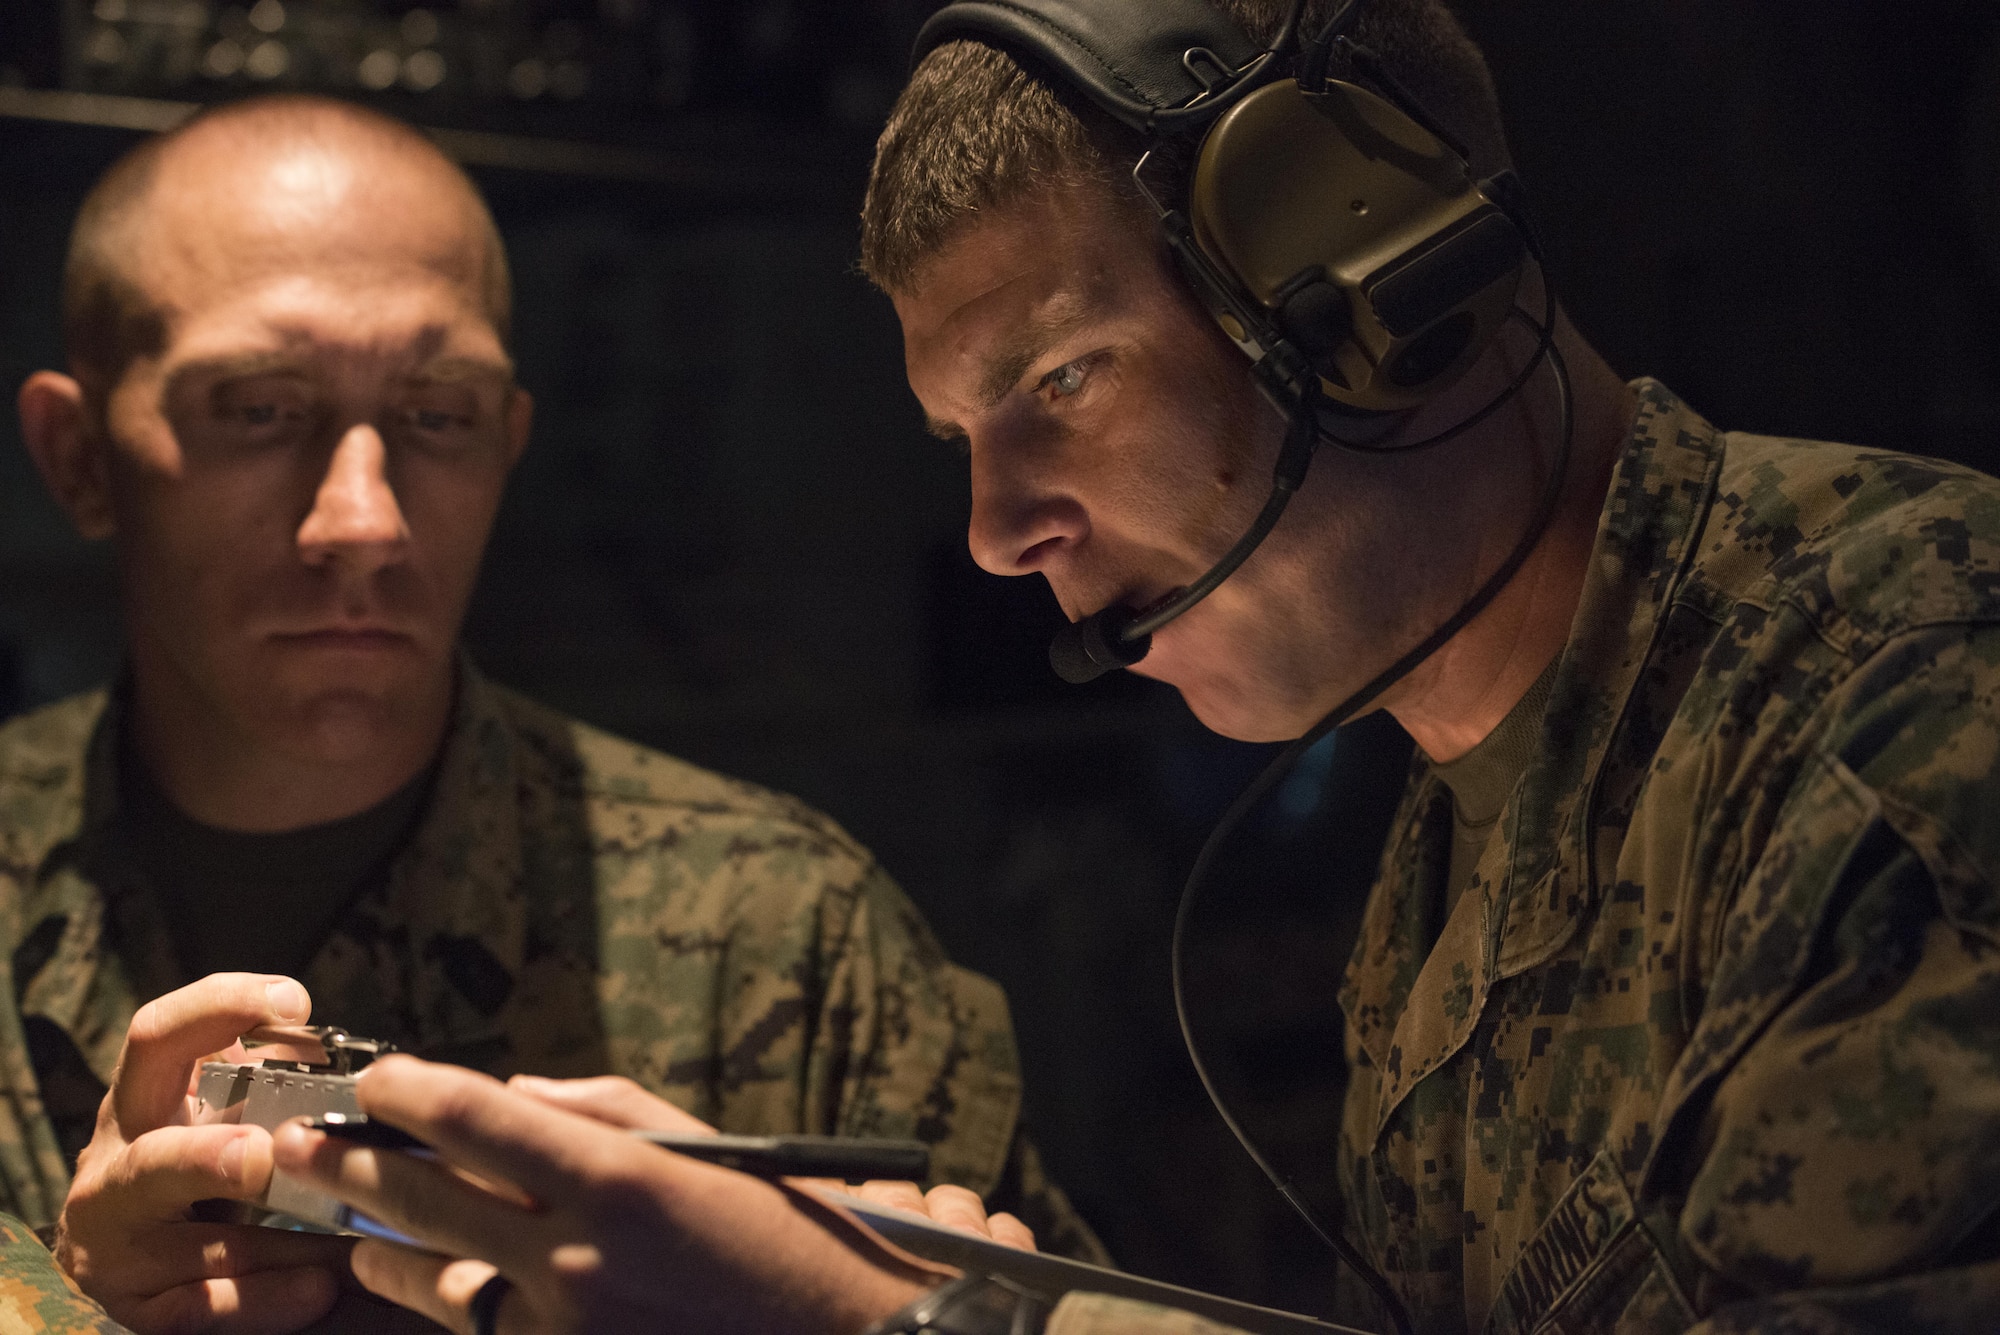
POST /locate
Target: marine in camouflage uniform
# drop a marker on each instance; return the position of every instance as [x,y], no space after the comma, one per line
[1712,1043]
[569,904]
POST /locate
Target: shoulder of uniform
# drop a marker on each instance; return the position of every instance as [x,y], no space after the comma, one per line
[1868,543]
[617,778]
[43,756]
[51,742]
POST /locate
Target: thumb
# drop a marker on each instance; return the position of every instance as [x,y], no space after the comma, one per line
[171,1034]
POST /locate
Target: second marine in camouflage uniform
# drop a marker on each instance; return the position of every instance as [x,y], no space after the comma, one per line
[1712,1043]
[569,904]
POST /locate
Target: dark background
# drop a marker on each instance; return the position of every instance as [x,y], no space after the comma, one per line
[732,539]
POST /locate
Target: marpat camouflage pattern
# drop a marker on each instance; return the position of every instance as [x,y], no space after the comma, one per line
[570,904]
[36,1296]
[1712,1044]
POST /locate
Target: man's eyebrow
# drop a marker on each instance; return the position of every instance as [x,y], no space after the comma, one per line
[240,366]
[456,370]
[1028,345]
[948,432]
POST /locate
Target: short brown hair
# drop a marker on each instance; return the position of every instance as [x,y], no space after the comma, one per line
[974,130]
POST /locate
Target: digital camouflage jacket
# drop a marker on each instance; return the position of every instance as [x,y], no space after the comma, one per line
[1713,1041]
[569,904]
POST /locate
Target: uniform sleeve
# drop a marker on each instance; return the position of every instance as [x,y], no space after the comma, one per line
[1100,1314]
[911,1045]
[1847,1173]
[36,1297]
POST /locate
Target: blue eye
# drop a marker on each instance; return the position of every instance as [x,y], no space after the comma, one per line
[1066,379]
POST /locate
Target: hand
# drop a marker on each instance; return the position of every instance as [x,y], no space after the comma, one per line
[613,1236]
[127,1236]
[612,1100]
[953,1207]
[619,1102]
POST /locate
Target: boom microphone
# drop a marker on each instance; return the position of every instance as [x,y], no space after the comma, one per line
[1119,636]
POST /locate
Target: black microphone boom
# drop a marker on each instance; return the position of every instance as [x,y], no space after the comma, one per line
[1085,650]
[1118,636]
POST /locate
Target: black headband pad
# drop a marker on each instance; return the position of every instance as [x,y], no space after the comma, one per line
[1115,52]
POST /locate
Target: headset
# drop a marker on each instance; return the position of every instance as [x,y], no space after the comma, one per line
[1338,236]
[1336,233]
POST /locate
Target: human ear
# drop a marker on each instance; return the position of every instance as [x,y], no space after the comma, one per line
[69,456]
[520,420]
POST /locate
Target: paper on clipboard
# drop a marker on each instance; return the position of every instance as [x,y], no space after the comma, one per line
[1053,1276]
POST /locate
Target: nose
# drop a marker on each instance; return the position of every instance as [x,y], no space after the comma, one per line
[355,521]
[1021,523]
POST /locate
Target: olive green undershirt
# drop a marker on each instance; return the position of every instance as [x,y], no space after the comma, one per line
[1483,779]
[257,902]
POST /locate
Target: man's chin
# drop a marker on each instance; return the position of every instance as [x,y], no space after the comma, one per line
[343,727]
[347,713]
[1220,705]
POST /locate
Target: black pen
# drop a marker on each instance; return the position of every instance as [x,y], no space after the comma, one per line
[848,1160]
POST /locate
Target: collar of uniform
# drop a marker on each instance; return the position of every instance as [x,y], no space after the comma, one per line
[51,769]
[1646,537]
[1534,884]
[456,893]
[75,891]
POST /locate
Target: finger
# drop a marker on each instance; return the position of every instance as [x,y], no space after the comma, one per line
[157,1176]
[235,1054]
[171,1034]
[478,1124]
[897,1195]
[267,1303]
[434,1286]
[955,1207]
[186,1254]
[1011,1232]
[611,1099]
[409,1278]
[419,1197]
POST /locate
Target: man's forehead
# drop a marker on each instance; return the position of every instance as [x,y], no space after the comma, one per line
[222,212]
[1070,237]
[319,327]
[1012,283]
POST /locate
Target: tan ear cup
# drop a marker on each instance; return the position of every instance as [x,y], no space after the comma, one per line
[1361,236]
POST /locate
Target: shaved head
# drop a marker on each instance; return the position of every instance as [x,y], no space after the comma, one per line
[156,207]
[291,409]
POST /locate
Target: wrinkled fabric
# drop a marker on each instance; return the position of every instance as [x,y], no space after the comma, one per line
[1712,1041]
[1101,1314]
[36,1297]
[570,904]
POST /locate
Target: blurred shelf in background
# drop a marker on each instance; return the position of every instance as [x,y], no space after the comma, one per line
[527,66]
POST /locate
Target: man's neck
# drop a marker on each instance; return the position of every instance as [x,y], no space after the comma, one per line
[216,772]
[1471,685]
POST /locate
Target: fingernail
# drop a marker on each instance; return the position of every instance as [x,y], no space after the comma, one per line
[287,999]
[231,1164]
